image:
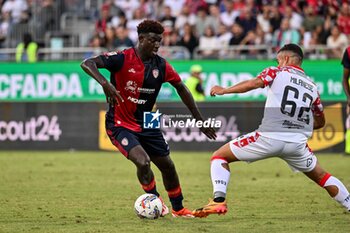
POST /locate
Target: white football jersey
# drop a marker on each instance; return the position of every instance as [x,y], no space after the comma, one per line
[292,100]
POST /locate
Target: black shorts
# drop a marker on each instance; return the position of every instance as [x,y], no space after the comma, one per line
[151,140]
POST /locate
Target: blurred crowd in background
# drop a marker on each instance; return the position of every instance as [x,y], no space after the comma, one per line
[209,24]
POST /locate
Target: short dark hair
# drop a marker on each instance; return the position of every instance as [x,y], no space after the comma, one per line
[148,26]
[293,48]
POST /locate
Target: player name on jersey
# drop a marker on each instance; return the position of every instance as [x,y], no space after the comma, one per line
[302,83]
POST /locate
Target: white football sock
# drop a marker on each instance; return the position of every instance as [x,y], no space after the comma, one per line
[220,177]
[343,196]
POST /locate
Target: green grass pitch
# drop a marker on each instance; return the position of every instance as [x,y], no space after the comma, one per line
[95,192]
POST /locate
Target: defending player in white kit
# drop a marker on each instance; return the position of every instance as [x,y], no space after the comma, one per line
[293,109]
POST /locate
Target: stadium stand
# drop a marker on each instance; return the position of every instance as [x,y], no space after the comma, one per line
[235,29]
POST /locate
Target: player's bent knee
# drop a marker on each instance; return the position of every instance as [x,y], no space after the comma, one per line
[143,165]
[142,162]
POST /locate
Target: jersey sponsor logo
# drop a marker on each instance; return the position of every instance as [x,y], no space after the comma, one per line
[146,90]
[132,70]
[151,120]
[155,73]
[290,125]
[131,86]
[136,101]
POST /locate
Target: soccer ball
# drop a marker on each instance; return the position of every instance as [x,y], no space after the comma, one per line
[148,206]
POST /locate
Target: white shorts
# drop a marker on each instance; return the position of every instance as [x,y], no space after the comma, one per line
[252,147]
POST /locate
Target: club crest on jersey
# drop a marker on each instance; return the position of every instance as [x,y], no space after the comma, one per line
[125,142]
[131,86]
[155,73]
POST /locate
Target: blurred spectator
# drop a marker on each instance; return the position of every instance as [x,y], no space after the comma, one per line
[128,7]
[238,5]
[229,15]
[324,32]
[263,19]
[262,38]
[295,19]
[285,35]
[203,21]
[311,20]
[158,9]
[96,43]
[195,5]
[214,13]
[170,39]
[4,27]
[247,20]
[168,19]
[26,51]
[132,24]
[343,20]
[114,10]
[237,34]
[176,5]
[275,18]
[15,8]
[249,39]
[188,40]
[107,40]
[76,7]
[103,21]
[194,83]
[45,20]
[211,2]
[223,35]
[119,20]
[121,38]
[252,5]
[209,44]
[337,42]
[183,18]
[146,8]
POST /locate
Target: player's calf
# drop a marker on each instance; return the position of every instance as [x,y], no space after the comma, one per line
[341,194]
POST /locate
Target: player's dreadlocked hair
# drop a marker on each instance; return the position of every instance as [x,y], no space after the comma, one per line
[148,25]
[293,48]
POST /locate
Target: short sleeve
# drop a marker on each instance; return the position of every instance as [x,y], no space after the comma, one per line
[346,58]
[113,61]
[317,107]
[268,75]
[171,75]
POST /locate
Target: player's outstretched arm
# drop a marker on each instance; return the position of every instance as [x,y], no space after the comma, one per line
[241,87]
[90,66]
[188,100]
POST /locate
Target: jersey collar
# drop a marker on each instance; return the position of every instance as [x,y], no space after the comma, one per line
[297,67]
